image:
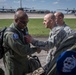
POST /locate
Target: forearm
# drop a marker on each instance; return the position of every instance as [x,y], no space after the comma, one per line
[43,45]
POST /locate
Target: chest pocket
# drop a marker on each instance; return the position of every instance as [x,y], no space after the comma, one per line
[23,38]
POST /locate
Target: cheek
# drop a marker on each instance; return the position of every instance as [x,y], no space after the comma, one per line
[45,24]
[22,26]
[48,24]
[25,24]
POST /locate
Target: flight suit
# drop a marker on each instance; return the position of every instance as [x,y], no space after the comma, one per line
[17,49]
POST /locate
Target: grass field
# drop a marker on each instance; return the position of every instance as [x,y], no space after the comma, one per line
[36,26]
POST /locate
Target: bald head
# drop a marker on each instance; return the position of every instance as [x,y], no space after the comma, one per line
[21,19]
[20,15]
[49,20]
[50,16]
[59,14]
[59,18]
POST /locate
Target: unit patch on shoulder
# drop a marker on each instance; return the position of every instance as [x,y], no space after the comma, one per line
[15,36]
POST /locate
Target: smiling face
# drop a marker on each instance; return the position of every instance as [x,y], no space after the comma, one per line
[49,21]
[23,23]
[21,19]
[46,22]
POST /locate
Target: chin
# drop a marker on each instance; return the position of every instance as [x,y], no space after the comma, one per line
[45,27]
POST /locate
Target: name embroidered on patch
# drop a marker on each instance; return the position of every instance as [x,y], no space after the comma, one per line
[15,36]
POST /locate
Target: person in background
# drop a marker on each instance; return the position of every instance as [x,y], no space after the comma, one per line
[60,21]
[17,47]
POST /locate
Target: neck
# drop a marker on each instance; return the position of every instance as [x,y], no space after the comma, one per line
[54,25]
[61,24]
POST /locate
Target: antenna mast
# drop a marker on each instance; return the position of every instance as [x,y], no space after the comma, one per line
[20,3]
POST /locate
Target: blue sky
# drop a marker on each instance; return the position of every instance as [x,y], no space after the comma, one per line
[51,5]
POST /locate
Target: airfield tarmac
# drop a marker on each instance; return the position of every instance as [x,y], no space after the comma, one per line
[31,15]
[41,55]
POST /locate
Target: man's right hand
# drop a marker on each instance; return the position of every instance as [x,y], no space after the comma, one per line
[29,38]
[38,50]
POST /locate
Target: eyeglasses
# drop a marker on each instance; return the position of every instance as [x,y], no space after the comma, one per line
[24,22]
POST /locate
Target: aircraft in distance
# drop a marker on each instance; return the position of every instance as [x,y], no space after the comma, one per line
[32,10]
[72,11]
[27,10]
[7,10]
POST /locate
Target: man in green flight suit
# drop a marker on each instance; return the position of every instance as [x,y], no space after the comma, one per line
[15,59]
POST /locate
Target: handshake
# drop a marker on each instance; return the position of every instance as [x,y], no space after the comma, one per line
[38,50]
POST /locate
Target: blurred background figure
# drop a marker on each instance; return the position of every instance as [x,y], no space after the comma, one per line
[59,18]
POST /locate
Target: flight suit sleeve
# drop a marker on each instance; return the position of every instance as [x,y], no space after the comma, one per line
[17,46]
[54,40]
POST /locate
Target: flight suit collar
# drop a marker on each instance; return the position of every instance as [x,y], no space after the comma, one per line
[16,27]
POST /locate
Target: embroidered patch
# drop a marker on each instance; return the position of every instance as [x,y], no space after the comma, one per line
[15,36]
[69,64]
[66,63]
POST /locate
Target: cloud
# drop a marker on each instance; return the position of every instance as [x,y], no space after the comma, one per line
[16,1]
[27,0]
[33,0]
[58,0]
[68,0]
[42,0]
[2,0]
[5,5]
[55,2]
[36,0]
